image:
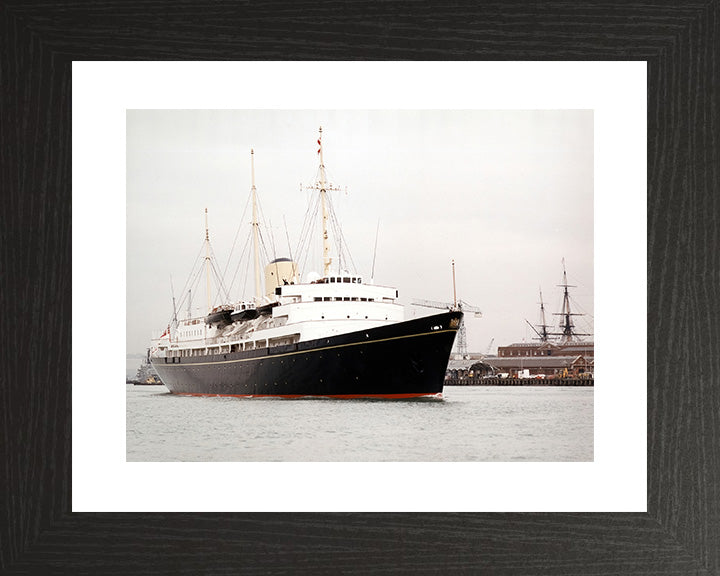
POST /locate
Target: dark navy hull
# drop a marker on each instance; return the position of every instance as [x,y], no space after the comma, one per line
[396,361]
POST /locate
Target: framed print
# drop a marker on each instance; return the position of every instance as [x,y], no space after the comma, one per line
[40,532]
[410,120]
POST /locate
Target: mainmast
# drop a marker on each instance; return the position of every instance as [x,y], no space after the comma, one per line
[566,324]
[567,328]
[322,186]
[207,260]
[323,191]
[256,228]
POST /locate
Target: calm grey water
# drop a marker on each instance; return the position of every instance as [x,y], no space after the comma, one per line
[493,424]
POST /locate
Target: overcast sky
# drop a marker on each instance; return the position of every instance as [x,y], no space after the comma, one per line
[506,194]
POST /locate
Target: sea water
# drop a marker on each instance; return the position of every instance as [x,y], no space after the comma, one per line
[470,424]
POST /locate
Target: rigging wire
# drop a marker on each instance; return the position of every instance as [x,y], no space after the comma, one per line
[307,231]
[216,271]
[340,238]
[237,234]
[241,259]
[188,284]
[274,258]
[287,237]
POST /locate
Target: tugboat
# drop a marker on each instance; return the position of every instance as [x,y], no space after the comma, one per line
[334,335]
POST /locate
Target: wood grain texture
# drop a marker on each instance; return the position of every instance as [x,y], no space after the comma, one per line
[680,534]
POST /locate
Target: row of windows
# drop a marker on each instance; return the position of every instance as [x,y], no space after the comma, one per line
[192,333]
[526,353]
[342,299]
[340,280]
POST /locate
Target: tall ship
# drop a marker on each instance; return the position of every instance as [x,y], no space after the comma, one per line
[558,352]
[332,335]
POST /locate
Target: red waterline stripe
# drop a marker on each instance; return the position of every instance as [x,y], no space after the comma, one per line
[341,396]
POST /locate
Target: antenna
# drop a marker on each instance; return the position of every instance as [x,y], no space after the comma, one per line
[454,291]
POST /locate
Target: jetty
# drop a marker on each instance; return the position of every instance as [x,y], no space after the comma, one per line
[496,381]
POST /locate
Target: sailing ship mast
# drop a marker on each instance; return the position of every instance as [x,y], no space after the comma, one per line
[567,328]
[544,333]
[566,324]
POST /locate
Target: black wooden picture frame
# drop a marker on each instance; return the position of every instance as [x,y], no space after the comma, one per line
[680,533]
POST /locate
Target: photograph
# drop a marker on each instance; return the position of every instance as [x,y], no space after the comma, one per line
[360,285]
[135,142]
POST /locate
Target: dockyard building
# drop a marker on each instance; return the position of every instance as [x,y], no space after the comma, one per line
[543,366]
[525,349]
[529,359]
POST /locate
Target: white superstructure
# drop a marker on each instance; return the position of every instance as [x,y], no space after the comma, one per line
[289,312]
[328,306]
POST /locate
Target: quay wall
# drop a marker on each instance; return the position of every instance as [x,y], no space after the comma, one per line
[519,382]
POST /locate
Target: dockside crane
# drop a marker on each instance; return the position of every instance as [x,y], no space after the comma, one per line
[487,352]
[456,304]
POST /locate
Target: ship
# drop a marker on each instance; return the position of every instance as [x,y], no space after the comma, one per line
[333,335]
[145,376]
[557,353]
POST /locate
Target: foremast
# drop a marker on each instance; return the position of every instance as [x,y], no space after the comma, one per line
[544,335]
